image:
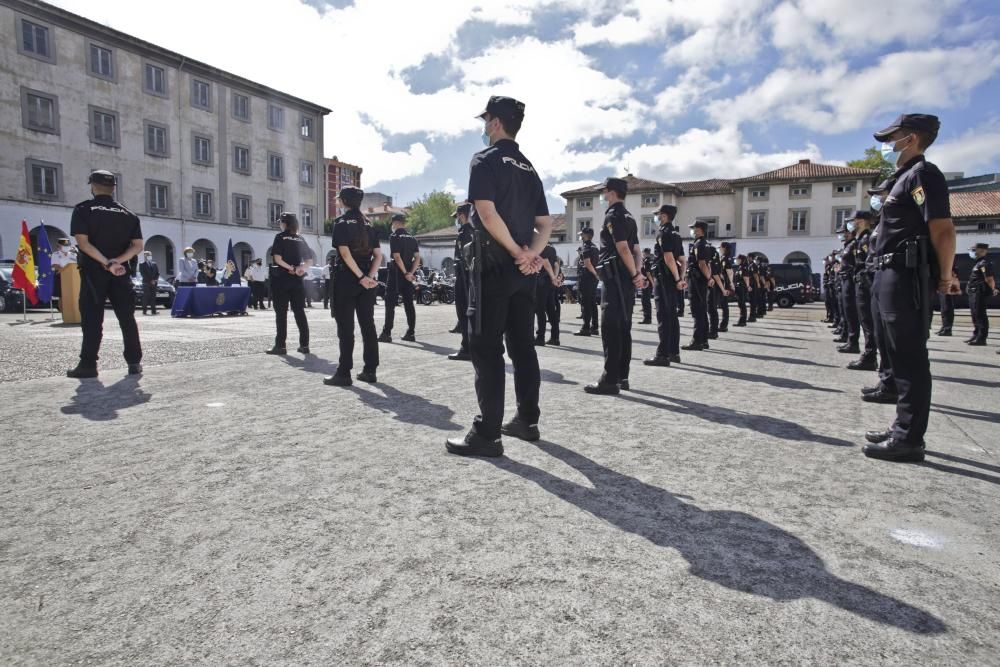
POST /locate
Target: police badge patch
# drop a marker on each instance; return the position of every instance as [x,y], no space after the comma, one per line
[918,195]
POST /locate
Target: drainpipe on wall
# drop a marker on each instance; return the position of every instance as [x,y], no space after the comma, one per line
[180,152]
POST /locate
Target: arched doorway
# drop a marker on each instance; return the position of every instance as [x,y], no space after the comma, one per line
[204,249]
[244,255]
[53,234]
[798,257]
[163,253]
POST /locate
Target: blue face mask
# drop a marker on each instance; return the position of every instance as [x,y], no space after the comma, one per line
[851,226]
[972,254]
[889,151]
[876,203]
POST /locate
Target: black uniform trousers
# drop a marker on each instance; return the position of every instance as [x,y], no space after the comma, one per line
[351,300]
[647,302]
[148,296]
[288,290]
[616,328]
[895,291]
[698,293]
[741,301]
[462,305]
[885,377]
[588,300]
[96,287]
[724,307]
[668,324]
[947,302]
[760,301]
[327,292]
[978,296]
[866,322]
[398,285]
[713,310]
[257,289]
[507,304]
[849,304]
[546,308]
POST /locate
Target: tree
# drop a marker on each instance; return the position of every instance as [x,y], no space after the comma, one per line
[873,160]
[430,212]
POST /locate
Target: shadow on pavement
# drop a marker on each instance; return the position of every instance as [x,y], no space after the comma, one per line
[98,403]
[977,364]
[973,474]
[967,413]
[732,549]
[407,408]
[753,342]
[782,383]
[311,364]
[784,360]
[969,381]
[766,424]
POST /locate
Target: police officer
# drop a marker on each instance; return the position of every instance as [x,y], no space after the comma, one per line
[947,305]
[669,288]
[359,257]
[404,260]
[547,297]
[512,225]
[760,293]
[292,258]
[587,280]
[726,288]
[621,264]
[108,236]
[699,277]
[150,278]
[860,224]
[980,286]
[750,268]
[848,297]
[187,269]
[915,226]
[464,238]
[884,390]
[647,291]
[741,280]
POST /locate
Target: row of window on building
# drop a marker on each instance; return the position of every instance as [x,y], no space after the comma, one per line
[757,193]
[35,40]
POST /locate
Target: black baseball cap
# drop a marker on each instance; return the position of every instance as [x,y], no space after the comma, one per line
[669,210]
[587,231]
[503,107]
[102,177]
[981,246]
[864,215]
[725,244]
[880,188]
[619,185]
[462,209]
[700,224]
[911,121]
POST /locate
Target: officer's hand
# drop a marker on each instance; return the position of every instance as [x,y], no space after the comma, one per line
[945,286]
[368,283]
[682,284]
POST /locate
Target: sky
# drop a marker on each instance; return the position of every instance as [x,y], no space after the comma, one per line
[666,90]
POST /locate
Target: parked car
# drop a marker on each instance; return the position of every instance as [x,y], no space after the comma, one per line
[165,292]
[11,299]
[793,284]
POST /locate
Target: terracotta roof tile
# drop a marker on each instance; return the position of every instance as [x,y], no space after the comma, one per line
[711,186]
[634,185]
[975,204]
[804,169]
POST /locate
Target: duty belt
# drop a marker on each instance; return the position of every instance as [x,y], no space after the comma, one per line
[893,260]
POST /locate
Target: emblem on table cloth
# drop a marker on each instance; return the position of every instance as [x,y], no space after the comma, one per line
[221,299]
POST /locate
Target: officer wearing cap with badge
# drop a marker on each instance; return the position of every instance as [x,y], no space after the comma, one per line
[851,332]
[884,391]
[670,284]
[916,250]
[464,237]
[108,236]
[587,280]
[860,224]
[292,258]
[404,260]
[699,277]
[647,291]
[511,220]
[981,286]
[547,297]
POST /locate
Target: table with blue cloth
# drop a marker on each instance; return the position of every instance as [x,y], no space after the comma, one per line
[203,301]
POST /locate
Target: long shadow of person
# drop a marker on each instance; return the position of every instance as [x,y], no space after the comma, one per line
[311,364]
[781,383]
[767,357]
[96,402]
[408,408]
[967,413]
[733,549]
[766,424]
[972,382]
[547,376]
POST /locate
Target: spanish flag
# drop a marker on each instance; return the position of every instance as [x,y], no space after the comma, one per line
[24,266]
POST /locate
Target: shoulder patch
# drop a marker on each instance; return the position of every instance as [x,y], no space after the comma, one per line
[918,195]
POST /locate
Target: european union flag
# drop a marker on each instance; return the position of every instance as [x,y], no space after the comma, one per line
[231,275]
[46,278]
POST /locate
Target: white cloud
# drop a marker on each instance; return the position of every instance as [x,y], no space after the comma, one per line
[452,188]
[693,86]
[976,149]
[565,186]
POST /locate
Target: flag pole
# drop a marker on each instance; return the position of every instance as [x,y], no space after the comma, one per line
[24,305]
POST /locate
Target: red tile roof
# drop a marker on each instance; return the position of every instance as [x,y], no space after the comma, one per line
[975,204]
[634,185]
[806,170]
[711,186]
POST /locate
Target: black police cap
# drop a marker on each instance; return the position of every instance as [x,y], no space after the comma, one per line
[619,185]
[725,244]
[911,121]
[462,209]
[287,217]
[398,217]
[863,215]
[669,210]
[351,191]
[700,224]
[102,177]
[587,231]
[879,189]
[503,107]
[981,246]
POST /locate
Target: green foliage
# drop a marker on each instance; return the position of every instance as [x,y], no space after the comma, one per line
[873,160]
[430,212]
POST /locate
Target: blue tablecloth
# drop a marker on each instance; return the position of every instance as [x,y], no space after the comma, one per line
[201,301]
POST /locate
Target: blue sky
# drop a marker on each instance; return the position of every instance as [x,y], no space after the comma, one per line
[674,91]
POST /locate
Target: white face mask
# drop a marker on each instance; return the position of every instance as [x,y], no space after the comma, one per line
[851,226]
[972,254]
[189,255]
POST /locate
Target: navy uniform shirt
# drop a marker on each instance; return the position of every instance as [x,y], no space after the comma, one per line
[918,194]
[982,270]
[619,225]
[847,261]
[549,253]
[353,231]
[862,250]
[463,239]
[292,248]
[739,272]
[589,251]
[501,174]
[715,263]
[727,266]
[109,226]
[700,251]
[402,242]
[648,264]
[668,240]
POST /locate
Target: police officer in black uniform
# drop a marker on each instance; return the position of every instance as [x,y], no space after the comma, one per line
[848,297]
[292,258]
[547,297]
[916,249]
[511,220]
[404,260]
[669,288]
[753,276]
[741,280]
[699,276]
[621,272]
[946,303]
[860,224]
[980,286]
[648,262]
[726,288]
[586,282]
[359,257]
[108,237]
[463,238]
[884,390]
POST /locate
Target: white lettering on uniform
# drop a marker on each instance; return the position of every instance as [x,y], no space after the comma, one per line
[520,165]
[108,209]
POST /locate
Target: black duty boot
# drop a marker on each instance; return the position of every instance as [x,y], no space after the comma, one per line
[409,337]
[81,372]
[135,369]
[863,364]
[338,380]
[384,337]
[540,341]
[520,429]
[876,437]
[657,361]
[368,376]
[276,350]
[461,355]
[583,332]
[601,388]
[474,444]
[895,450]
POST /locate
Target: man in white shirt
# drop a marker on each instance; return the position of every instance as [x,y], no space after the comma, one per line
[256,275]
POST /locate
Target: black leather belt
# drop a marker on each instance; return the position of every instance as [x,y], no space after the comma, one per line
[894,260]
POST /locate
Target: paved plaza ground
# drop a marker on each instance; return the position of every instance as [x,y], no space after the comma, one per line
[228,508]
